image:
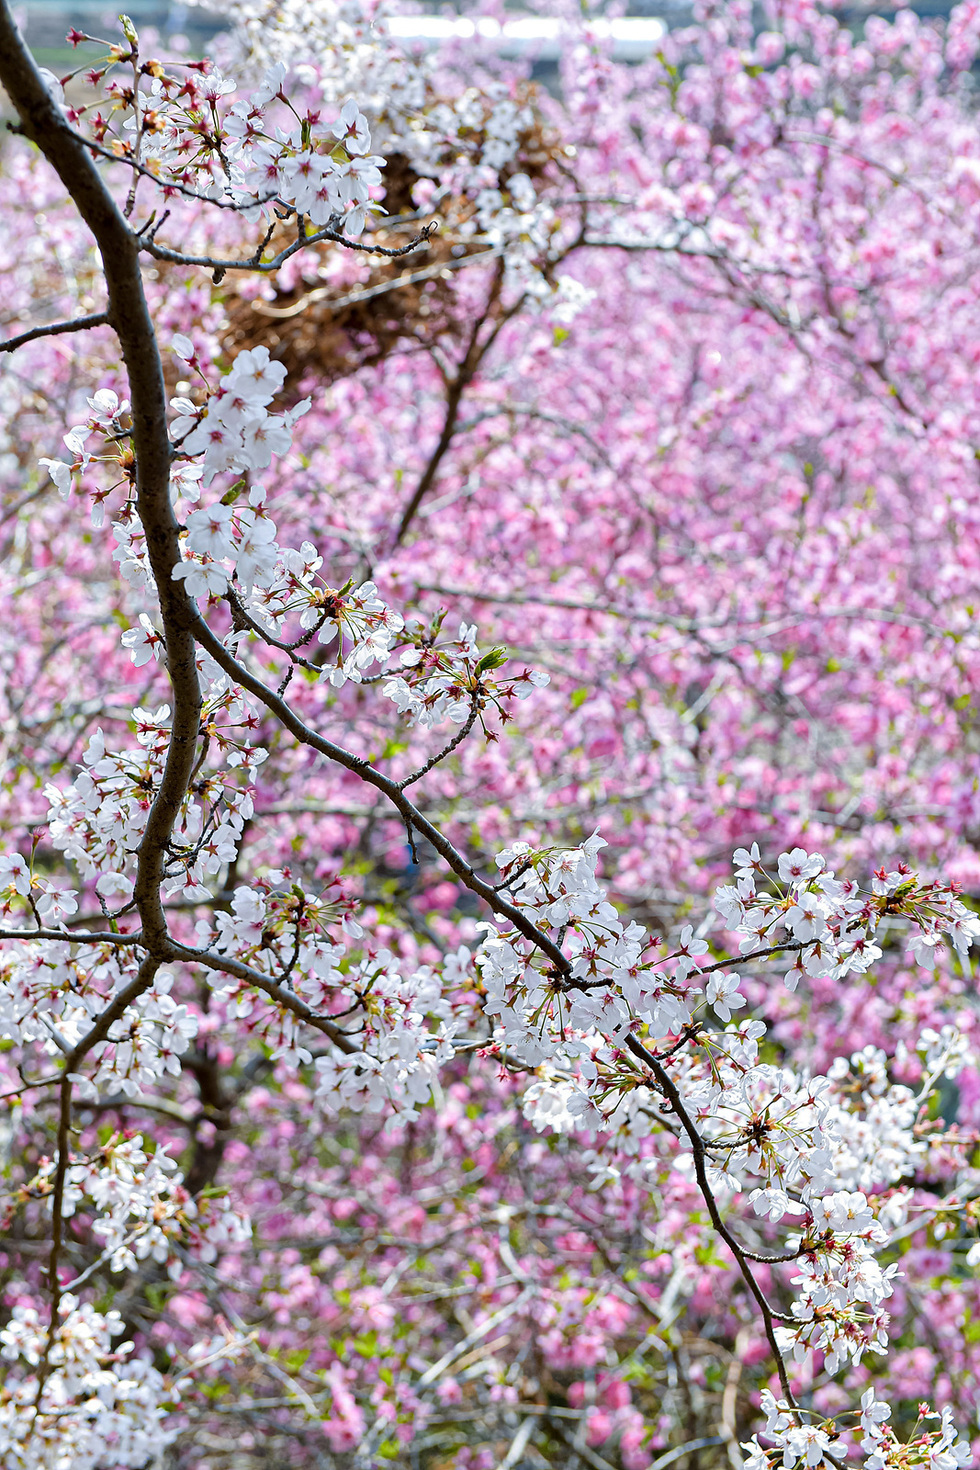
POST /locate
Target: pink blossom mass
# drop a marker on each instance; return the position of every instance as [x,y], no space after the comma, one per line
[490,783]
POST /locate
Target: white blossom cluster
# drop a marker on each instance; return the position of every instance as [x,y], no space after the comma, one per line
[449,678]
[405,1044]
[294,938]
[468,146]
[235,431]
[840,1285]
[98,820]
[142,1210]
[831,923]
[794,1443]
[610,984]
[798,1135]
[52,991]
[228,543]
[355,619]
[95,1397]
[331,185]
[402,1034]
[616,980]
[352,52]
[804,1146]
[255,152]
[107,416]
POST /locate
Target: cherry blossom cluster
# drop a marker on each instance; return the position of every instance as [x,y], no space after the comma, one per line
[108,416]
[841,1286]
[97,820]
[833,925]
[76,1392]
[234,431]
[183,132]
[399,1026]
[354,618]
[439,678]
[794,1443]
[404,1044]
[477,150]
[802,1136]
[325,172]
[615,979]
[141,1209]
[50,992]
[296,938]
[449,678]
[610,985]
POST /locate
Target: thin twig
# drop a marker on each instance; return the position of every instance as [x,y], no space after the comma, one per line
[337,303]
[56,329]
[671,1093]
[266,267]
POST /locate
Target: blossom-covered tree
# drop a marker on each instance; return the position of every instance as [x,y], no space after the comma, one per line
[378,525]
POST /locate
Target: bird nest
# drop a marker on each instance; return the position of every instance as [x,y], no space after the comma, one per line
[335,317]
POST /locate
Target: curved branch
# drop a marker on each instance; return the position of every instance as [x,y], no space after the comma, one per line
[671,1093]
[266,267]
[64,937]
[57,329]
[45,124]
[228,965]
[277,706]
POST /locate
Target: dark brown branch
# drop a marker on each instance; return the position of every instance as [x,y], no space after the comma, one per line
[389,788]
[465,372]
[254,263]
[72,938]
[44,123]
[57,329]
[670,1092]
[227,965]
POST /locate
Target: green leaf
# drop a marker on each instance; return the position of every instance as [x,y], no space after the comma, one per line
[492,660]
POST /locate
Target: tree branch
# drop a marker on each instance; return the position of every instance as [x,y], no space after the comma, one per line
[70,937]
[671,1093]
[266,267]
[466,371]
[57,329]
